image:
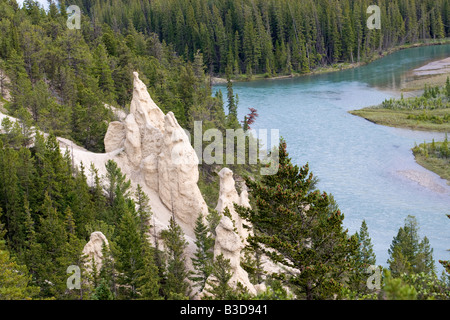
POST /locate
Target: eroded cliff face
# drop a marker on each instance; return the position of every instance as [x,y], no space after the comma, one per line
[231,234]
[158,149]
[93,250]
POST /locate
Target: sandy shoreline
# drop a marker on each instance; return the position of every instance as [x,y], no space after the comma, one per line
[434,73]
[435,67]
[424,179]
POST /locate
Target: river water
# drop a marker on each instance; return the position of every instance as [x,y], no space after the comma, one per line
[362,164]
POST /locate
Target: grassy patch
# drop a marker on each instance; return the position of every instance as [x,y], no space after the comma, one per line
[434,156]
[429,112]
[411,119]
[438,166]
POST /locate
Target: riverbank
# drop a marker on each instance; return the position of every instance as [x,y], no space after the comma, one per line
[431,113]
[220,79]
[417,113]
[435,157]
[439,166]
[409,119]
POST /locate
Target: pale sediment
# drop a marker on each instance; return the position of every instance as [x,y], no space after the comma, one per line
[424,179]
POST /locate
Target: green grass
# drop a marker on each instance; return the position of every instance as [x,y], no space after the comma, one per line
[430,112]
[437,165]
[435,157]
[399,118]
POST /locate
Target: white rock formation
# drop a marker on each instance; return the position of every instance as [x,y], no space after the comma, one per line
[229,243]
[158,150]
[228,196]
[115,136]
[231,234]
[93,250]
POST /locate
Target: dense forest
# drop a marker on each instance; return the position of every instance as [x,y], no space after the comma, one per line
[65,77]
[69,82]
[274,36]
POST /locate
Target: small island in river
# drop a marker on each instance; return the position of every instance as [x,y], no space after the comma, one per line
[429,111]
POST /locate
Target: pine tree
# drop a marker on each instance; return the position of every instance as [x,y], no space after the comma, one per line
[144,212]
[102,292]
[444,263]
[102,72]
[364,258]
[176,286]
[52,237]
[148,286]
[108,271]
[117,188]
[445,152]
[219,286]
[128,254]
[447,87]
[203,255]
[14,278]
[294,226]
[366,248]
[232,105]
[407,253]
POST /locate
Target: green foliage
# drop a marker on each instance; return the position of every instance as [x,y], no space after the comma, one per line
[14,278]
[397,289]
[128,253]
[301,232]
[274,291]
[175,286]
[276,36]
[444,263]
[102,292]
[218,286]
[407,254]
[60,82]
[433,98]
[63,78]
[427,286]
[203,261]
[148,285]
[363,258]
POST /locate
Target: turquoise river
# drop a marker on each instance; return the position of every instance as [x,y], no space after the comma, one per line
[369,168]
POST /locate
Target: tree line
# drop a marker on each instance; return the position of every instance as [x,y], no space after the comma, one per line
[275,37]
[66,81]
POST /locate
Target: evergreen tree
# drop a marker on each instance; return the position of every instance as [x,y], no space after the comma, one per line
[52,237]
[176,286]
[407,253]
[364,258]
[102,72]
[367,255]
[148,285]
[127,253]
[444,263]
[108,271]
[14,278]
[232,105]
[144,212]
[219,286]
[117,188]
[203,255]
[102,292]
[294,227]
